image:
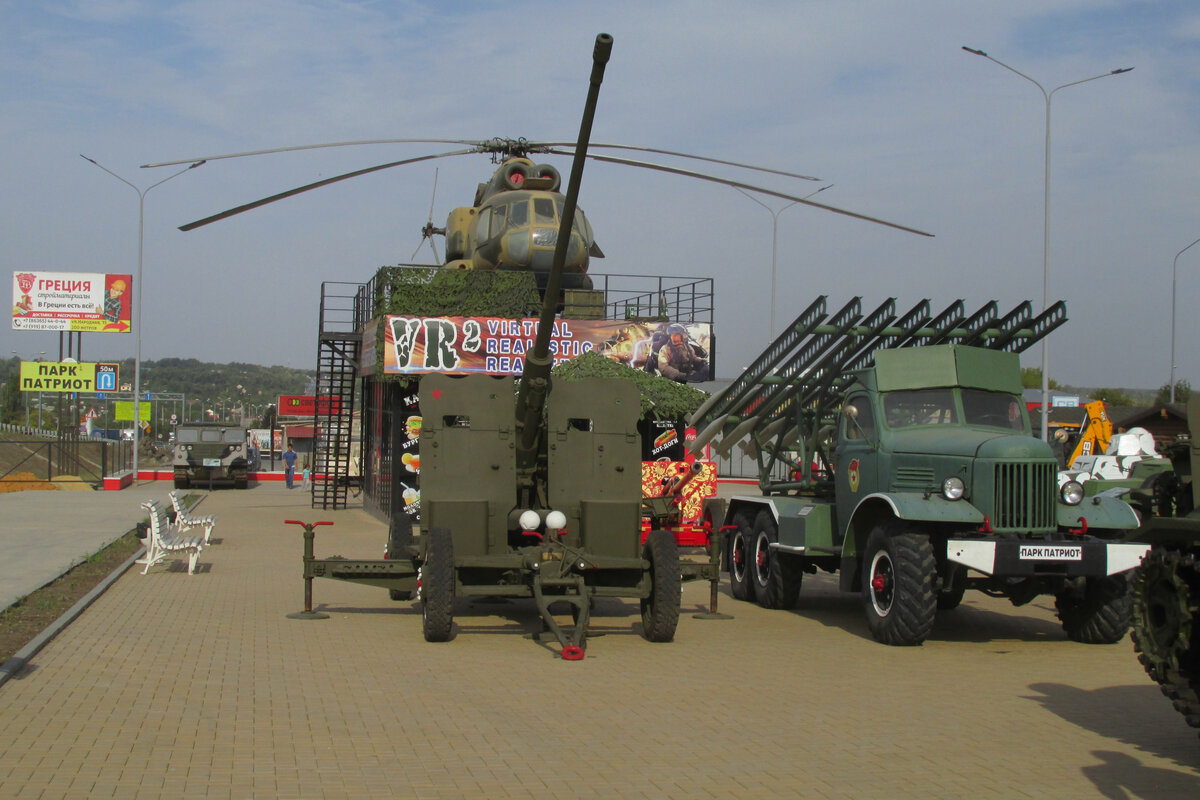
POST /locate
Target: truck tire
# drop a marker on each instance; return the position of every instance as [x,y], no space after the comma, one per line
[660,611]
[1101,614]
[739,553]
[775,576]
[240,479]
[898,595]
[181,482]
[437,586]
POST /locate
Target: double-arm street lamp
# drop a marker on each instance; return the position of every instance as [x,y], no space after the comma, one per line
[137,320]
[1174,271]
[1046,205]
[774,244]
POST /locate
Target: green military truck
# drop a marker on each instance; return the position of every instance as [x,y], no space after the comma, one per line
[208,453]
[896,451]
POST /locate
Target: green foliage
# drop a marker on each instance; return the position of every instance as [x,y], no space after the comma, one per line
[205,380]
[432,292]
[662,398]
[1183,391]
[1113,397]
[11,408]
[1031,378]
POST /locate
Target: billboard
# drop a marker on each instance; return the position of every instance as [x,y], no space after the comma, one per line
[305,405]
[497,346]
[71,301]
[67,376]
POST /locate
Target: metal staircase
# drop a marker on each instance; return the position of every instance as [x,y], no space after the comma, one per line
[338,352]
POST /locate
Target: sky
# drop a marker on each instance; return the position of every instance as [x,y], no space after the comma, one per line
[878,99]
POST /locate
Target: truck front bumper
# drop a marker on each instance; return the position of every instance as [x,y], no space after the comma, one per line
[1028,558]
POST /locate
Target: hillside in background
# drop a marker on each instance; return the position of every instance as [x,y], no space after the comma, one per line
[228,386]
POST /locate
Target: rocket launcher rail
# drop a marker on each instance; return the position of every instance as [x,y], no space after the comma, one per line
[788,394]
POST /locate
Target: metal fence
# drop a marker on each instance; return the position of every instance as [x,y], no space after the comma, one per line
[42,457]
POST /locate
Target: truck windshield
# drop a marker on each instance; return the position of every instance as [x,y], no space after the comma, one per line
[919,407]
[996,409]
[187,436]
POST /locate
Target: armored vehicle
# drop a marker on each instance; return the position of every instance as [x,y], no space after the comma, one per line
[911,471]
[1166,589]
[207,453]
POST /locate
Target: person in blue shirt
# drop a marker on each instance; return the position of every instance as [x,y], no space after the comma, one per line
[289,461]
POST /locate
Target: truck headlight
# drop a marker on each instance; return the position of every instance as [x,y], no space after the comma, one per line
[953,488]
[529,520]
[1071,493]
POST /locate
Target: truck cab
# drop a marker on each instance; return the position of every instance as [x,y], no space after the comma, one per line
[205,453]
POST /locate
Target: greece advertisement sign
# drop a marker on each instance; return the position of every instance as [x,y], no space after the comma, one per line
[498,346]
[89,302]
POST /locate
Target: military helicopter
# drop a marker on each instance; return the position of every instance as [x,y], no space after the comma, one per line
[514,221]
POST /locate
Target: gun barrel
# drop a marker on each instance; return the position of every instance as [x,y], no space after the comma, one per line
[535,378]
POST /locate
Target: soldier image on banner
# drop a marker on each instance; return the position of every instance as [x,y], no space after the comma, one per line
[676,355]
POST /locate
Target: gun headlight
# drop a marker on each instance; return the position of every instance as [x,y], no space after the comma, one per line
[529,520]
[556,520]
[953,488]
[1071,493]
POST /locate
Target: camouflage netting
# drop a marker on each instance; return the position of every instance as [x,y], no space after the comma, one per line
[662,398]
[435,292]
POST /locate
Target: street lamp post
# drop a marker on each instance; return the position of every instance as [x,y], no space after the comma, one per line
[774,244]
[1046,230]
[137,351]
[1174,271]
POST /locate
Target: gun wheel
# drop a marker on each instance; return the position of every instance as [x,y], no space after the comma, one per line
[1166,636]
[437,586]
[660,611]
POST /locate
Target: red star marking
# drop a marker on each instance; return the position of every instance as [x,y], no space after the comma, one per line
[437,394]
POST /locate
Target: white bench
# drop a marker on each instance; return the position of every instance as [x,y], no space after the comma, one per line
[163,543]
[185,520]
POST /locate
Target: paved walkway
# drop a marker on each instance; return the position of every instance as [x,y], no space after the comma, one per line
[181,686]
[45,533]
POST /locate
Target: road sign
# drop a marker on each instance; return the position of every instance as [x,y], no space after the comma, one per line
[106,377]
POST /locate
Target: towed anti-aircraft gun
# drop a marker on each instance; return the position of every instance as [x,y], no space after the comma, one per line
[896,449]
[544,502]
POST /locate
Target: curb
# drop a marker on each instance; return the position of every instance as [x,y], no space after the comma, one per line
[15,664]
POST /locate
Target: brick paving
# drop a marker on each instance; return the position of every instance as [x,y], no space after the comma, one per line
[200,686]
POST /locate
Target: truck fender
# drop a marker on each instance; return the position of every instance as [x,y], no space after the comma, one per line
[1102,511]
[878,507]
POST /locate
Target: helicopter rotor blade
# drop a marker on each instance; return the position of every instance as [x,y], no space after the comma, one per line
[475,143]
[737,184]
[291,192]
[709,160]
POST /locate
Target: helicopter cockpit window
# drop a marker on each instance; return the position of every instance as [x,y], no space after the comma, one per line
[483,222]
[543,211]
[518,214]
[499,219]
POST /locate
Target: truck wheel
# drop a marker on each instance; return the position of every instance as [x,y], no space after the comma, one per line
[660,611]
[740,554]
[775,576]
[239,479]
[181,483]
[1100,614]
[437,586]
[898,590]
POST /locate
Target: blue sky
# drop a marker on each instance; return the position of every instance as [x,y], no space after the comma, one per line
[876,98]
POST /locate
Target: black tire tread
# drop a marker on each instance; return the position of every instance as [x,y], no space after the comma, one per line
[660,611]
[1102,615]
[910,619]
[437,586]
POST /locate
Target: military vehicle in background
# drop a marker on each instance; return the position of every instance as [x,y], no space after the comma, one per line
[895,450]
[1166,589]
[210,453]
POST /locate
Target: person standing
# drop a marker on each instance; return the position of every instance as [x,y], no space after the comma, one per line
[289,462]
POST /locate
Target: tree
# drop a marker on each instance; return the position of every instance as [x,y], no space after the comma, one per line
[1183,390]
[1113,397]
[1031,378]
[10,398]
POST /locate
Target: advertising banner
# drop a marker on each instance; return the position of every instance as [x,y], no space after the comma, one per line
[123,411]
[497,346]
[71,301]
[54,376]
[306,405]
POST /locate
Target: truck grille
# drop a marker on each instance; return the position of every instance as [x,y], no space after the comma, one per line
[1024,494]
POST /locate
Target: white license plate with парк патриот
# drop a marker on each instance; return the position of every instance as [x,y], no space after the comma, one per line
[1050,552]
